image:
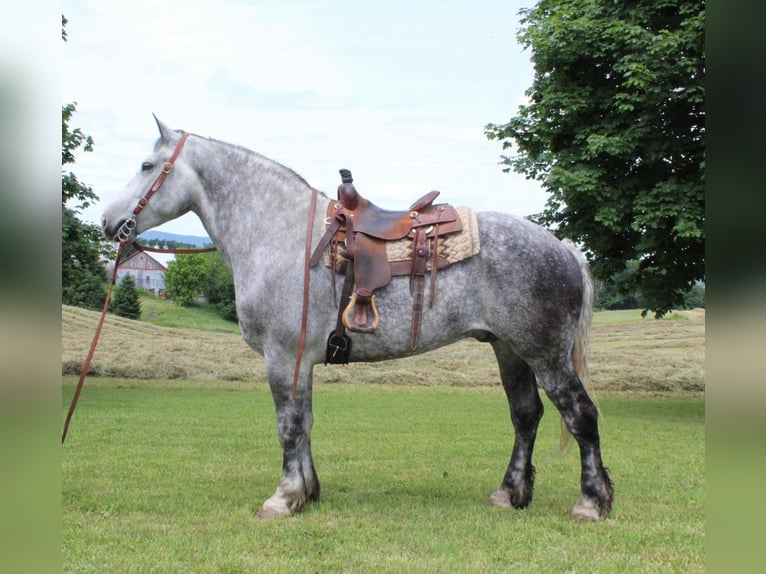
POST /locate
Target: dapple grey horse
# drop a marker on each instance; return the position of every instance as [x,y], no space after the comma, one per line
[526,293]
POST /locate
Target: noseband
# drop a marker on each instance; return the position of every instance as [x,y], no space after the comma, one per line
[130,224]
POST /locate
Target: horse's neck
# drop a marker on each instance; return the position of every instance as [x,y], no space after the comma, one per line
[251,201]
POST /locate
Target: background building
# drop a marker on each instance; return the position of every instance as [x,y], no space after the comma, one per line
[147,270]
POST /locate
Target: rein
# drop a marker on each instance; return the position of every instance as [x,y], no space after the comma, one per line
[306,274]
[123,235]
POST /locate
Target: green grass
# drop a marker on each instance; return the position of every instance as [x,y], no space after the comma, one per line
[202,316]
[163,477]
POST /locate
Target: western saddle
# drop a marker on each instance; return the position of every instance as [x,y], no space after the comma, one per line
[358,230]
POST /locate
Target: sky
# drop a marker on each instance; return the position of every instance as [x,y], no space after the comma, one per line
[399,92]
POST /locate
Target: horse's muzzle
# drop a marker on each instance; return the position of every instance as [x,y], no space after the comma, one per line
[121,231]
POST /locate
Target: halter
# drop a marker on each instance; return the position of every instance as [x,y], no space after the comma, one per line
[130,224]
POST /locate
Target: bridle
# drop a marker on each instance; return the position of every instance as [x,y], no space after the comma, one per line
[123,234]
[127,227]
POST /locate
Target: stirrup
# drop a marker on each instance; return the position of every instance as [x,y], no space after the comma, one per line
[356,312]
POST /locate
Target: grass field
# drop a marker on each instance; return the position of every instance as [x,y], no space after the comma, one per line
[163,313]
[170,480]
[164,470]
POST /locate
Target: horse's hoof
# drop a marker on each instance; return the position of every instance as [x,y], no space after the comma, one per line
[501,498]
[270,513]
[586,511]
[584,515]
[274,507]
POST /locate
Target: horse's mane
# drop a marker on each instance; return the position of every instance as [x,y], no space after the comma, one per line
[248,152]
[245,152]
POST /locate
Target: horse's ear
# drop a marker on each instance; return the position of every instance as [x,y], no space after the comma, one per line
[166,133]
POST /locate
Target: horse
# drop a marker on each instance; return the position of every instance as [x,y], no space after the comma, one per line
[526,293]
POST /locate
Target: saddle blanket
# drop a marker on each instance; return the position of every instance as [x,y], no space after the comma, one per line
[452,247]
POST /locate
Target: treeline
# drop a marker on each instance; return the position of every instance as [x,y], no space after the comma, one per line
[166,244]
[620,292]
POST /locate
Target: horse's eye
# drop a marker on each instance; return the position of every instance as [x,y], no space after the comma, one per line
[146,166]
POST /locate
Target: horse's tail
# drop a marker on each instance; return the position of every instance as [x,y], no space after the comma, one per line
[582,339]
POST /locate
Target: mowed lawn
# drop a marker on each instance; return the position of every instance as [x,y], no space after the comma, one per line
[165,476]
[173,448]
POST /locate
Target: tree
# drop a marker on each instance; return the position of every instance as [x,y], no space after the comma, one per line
[614,293]
[614,131]
[695,298]
[82,271]
[126,302]
[219,287]
[186,278]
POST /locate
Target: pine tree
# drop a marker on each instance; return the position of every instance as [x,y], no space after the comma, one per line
[125,301]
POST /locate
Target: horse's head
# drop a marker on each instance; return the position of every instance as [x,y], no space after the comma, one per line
[137,208]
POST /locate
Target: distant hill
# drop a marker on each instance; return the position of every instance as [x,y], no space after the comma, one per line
[195,240]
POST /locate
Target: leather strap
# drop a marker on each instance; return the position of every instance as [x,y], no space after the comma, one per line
[338,343]
[417,281]
[306,277]
[332,228]
[345,297]
[182,251]
[93,343]
[434,265]
[160,178]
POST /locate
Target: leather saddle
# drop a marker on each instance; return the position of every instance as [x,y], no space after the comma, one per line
[361,230]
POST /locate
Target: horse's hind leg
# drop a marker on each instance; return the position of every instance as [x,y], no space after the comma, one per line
[566,391]
[526,410]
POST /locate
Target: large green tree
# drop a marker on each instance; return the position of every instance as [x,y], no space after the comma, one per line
[219,289]
[190,275]
[186,278]
[614,130]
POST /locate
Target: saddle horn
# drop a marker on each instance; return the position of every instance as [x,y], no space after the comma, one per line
[347,194]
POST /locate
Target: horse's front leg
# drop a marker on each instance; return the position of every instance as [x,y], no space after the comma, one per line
[299,484]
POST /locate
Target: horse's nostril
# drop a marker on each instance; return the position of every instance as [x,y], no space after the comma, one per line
[109,230]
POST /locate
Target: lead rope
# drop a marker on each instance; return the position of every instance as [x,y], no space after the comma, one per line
[304,313]
[93,344]
[89,358]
